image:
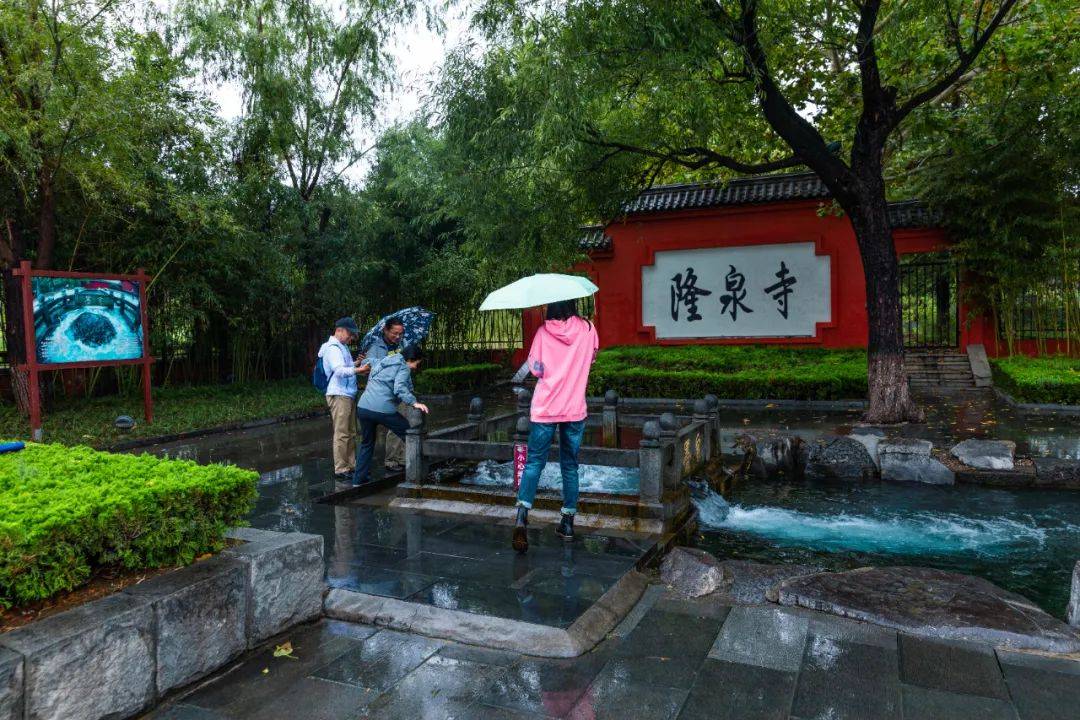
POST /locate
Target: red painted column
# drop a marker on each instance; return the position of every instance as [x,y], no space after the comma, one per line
[531,320]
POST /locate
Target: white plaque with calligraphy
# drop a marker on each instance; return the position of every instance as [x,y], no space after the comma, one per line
[780,290]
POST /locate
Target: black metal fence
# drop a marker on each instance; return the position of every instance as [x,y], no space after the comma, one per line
[928,301]
[1052,312]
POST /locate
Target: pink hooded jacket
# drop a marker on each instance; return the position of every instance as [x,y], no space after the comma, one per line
[561,355]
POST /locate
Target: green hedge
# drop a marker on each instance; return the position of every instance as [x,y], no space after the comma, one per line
[740,371]
[1054,379]
[68,511]
[445,380]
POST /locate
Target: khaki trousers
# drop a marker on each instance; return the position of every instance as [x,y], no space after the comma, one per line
[343,417]
[395,448]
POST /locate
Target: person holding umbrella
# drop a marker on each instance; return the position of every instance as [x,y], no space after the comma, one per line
[561,356]
[389,384]
[408,326]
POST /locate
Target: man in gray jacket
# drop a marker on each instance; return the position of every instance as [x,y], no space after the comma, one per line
[387,343]
[389,384]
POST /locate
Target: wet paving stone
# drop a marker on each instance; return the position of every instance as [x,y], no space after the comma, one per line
[920,703]
[516,604]
[680,641]
[964,668]
[262,676]
[380,661]
[649,670]
[612,697]
[567,583]
[733,691]
[1040,694]
[371,556]
[546,687]
[381,581]
[185,712]
[841,679]
[767,637]
[476,654]
[308,699]
[441,688]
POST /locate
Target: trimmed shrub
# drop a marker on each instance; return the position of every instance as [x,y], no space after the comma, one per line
[445,380]
[68,511]
[1054,379]
[456,378]
[740,371]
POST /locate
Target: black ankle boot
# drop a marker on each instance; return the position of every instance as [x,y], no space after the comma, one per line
[566,527]
[520,540]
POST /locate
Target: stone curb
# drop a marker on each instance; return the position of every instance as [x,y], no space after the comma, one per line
[114,657]
[493,632]
[216,430]
[736,403]
[1037,407]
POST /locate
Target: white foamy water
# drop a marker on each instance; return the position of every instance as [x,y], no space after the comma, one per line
[591,478]
[914,533]
[62,346]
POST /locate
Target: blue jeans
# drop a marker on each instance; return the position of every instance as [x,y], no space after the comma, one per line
[540,437]
[368,420]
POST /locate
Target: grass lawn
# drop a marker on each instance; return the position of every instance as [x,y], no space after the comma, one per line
[1053,379]
[731,371]
[176,409]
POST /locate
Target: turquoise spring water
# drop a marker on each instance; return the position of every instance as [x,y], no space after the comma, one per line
[1024,541]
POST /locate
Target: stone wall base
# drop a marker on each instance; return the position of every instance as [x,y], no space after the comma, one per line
[114,657]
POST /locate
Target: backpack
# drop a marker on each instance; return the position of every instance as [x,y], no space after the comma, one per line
[319,378]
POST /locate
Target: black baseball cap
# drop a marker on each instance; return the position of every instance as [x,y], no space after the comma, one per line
[347,323]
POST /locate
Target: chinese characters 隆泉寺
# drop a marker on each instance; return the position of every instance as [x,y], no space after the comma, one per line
[684,291]
[781,290]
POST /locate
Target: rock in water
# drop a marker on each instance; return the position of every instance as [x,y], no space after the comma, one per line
[985,454]
[692,572]
[93,328]
[751,582]
[909,460]
[839,458]
[772,457]
[932,603]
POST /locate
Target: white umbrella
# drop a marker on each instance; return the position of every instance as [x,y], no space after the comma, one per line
[538,290]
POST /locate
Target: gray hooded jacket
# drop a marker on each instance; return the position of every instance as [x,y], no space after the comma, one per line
[389,383]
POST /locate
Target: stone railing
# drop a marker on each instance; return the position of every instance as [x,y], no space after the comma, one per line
[116,656]
[667,454]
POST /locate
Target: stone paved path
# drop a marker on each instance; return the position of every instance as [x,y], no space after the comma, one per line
[670,658]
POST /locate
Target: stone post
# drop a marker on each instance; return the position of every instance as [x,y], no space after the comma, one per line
[651,463]
[669,428]
[476,416]
[524,402]
[521,430]
[611,418]
[701,415]
[713,404]
[415,465]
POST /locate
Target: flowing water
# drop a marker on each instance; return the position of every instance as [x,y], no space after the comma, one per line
[1024,541]
[62,345]
[591,478]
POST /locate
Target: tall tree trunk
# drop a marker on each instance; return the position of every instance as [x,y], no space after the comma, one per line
[46,244]
[12,249]
[889,395]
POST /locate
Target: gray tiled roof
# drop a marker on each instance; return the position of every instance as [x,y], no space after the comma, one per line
[743,191]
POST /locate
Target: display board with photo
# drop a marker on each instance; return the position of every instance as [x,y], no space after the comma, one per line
[86,320]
